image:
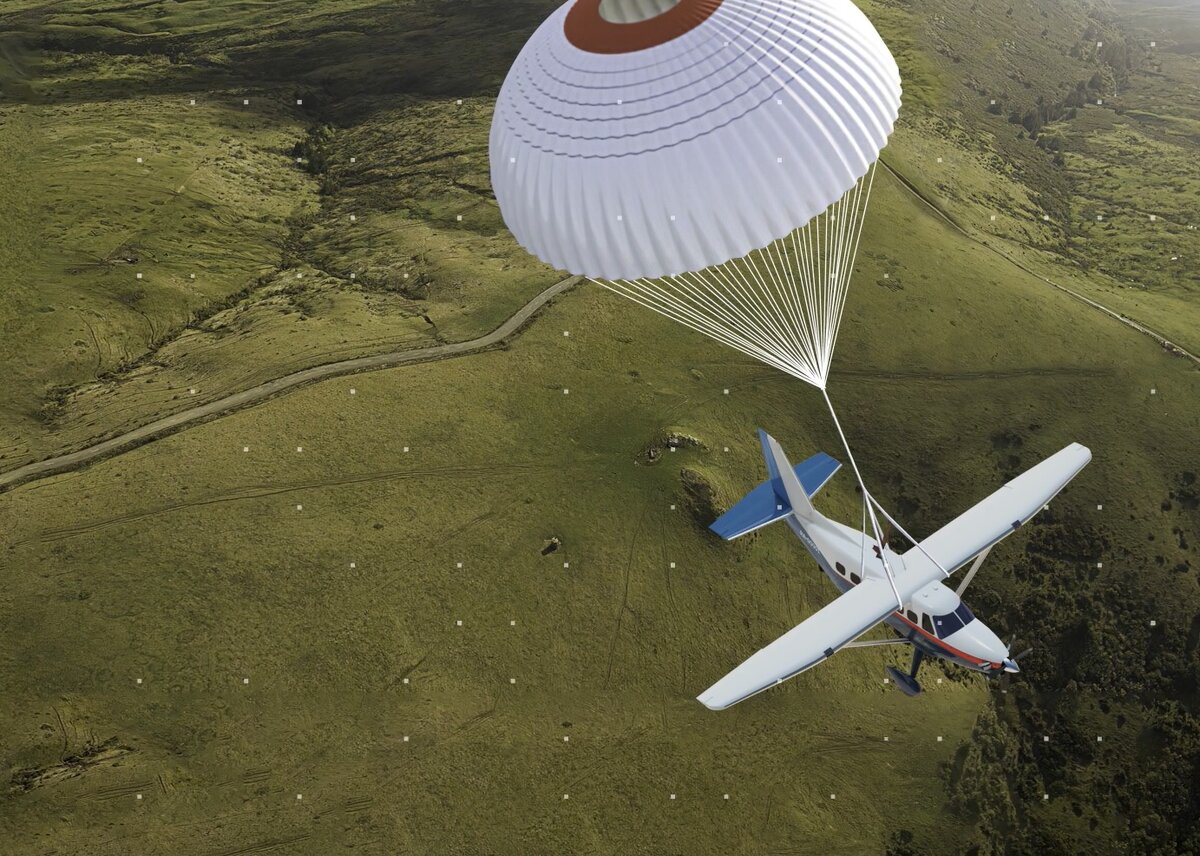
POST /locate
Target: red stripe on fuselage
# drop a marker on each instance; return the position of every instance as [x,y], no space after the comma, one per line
[940,644]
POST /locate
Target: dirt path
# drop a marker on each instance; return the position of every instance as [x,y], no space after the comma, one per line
[1129,322]
[278,386]
[287,383]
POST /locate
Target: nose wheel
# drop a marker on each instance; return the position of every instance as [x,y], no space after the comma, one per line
[908,683]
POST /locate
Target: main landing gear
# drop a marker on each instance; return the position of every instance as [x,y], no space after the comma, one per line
[908,683]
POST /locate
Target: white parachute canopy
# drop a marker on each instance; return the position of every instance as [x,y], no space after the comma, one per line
[671,149]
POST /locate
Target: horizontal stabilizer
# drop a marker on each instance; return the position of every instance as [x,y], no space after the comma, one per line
[768,502]
[808,643]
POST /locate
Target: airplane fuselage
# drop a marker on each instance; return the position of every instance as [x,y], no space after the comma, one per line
[934,620]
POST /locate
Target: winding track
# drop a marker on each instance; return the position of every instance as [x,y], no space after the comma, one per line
[287,383]
[278,386]
[1124,319]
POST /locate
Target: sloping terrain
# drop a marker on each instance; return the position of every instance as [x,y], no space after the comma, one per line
[253,624]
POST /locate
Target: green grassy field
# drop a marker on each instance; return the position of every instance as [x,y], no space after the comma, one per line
[221,630]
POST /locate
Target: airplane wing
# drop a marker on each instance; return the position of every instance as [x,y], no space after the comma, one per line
[808,643]
[998,516]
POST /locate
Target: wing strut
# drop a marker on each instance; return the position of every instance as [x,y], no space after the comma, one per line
[971,573]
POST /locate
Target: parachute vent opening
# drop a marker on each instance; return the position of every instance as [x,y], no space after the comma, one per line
[781,304]
[633,11]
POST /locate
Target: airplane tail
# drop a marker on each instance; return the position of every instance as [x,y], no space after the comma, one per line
[789,490]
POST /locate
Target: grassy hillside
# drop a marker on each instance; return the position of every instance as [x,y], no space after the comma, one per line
[292,615]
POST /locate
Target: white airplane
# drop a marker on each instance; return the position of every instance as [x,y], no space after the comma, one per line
[906,590]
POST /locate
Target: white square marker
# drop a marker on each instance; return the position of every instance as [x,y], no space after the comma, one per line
[1099,217]
[833,796]
[353,565]
[1045,216]
[299,448]
[672,508]
[566,392]
[512,623]
[726,448]
[352,160]
[1099,507]
[191,276]
[405,738]
[939,738]
[1099,101]
[299,160]
[299,507]
[245,102]
[352,218]
[245,680]
[299,796]
[245,448]
[458,623]
[1154,44]
[405,680]
[672,796]
[939,679]
[1099,739]
[139,160]
[566,564]
[459,101]
[1153,217]
[138,275]
[299,276]
[299,101]
[886,739]
[512,680]
[1045,738]
[566,738]
[778,160]
[726,796]
[672,218]
[512,160]
[993,100]
[139,796]
[993,218]
[352,276]
[192,102]
[458,564]
[672,564]
[406,448]
[1153,623]
[353,390]
[726,392]
[459,218]
[1045,796]
[620,100]
[139,680]
[1099,44]
[566,796]
[1099,564]
[192,391]
[566,333]
[939,160]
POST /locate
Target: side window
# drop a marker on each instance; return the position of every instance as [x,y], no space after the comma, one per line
[841,569]
[926,623]
[912,616]
[855,578]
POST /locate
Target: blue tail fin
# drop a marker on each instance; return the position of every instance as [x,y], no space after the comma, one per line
[768,502]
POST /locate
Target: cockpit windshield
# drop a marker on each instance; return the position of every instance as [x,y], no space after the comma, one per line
[952,621]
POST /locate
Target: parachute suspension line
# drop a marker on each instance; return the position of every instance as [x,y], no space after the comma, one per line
[869,504]
[781,304]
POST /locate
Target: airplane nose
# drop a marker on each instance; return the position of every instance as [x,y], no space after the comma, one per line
[1010,665]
